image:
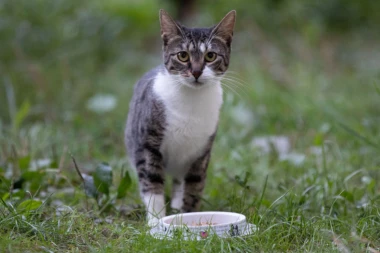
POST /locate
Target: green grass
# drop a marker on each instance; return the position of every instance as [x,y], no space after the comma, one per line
[326,105]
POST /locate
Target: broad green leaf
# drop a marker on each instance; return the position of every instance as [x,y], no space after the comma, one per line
[371,186]
[5,196]
[318,139]
[54,164]
[33,175]
[103,178]
[21,114]
[18,194]
[24,162]
[29,205]
[266,203]
[4,183]
[35,178]
[10,209]
[302,200]
[124,185]
[347,195]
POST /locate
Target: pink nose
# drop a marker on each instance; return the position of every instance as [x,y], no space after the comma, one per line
[196,74]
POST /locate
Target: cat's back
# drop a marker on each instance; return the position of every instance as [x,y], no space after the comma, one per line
[145,111]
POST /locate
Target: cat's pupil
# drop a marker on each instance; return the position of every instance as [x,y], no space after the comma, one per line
[183,54]
[210,55]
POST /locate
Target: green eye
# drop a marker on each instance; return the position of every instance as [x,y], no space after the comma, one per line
[210,56]
[183,56]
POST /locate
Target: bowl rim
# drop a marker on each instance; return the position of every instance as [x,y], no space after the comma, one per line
[241,217]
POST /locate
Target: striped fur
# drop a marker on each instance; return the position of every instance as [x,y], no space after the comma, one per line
[197,42]
[174,113]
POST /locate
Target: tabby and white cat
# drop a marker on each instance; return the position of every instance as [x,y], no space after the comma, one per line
[173,115]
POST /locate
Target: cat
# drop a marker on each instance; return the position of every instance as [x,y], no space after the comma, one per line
[174,113]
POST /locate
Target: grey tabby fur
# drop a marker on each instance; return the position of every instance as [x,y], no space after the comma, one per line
[194,61]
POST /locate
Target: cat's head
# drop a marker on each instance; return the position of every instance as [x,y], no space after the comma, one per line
[196,56]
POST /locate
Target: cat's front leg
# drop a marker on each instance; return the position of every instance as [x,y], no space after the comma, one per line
[177,194]
[151,181]
[194,183]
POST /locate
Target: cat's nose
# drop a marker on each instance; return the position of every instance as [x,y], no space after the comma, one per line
[196,73]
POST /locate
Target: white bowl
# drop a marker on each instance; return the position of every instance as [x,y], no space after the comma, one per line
[200,225]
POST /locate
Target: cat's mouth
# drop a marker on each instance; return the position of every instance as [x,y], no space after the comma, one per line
[196,84]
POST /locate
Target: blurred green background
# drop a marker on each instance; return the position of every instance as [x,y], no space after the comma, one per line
[303,73]
[72,64]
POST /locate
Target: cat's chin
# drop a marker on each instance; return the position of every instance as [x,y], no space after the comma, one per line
[197,84]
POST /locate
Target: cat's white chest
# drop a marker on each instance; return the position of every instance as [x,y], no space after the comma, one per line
[191,118]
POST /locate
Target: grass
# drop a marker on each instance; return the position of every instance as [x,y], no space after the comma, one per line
[327,200]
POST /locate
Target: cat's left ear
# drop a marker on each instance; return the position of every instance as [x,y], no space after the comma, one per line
[169,28]
[225,28]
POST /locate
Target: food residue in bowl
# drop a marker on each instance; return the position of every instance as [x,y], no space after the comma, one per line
[201,223]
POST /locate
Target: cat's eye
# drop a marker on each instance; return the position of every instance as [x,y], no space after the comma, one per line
[183,56]
[210,56]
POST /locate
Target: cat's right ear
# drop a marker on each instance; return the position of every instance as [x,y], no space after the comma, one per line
[169,28]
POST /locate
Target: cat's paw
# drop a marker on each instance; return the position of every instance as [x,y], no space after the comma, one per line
[153,221]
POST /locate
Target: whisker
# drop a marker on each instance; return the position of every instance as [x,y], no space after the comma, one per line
[233,84]
[236,89]
[228,82]
[232,74]
[231,89]
[243,85]
[237,84]
[236,79]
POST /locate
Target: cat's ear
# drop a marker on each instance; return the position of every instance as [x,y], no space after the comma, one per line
[225,28]
[169,28]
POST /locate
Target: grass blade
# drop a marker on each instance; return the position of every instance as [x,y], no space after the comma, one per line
[358,135]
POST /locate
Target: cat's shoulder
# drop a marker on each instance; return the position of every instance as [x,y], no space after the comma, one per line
[150,76]
[144,88]
[145,83]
